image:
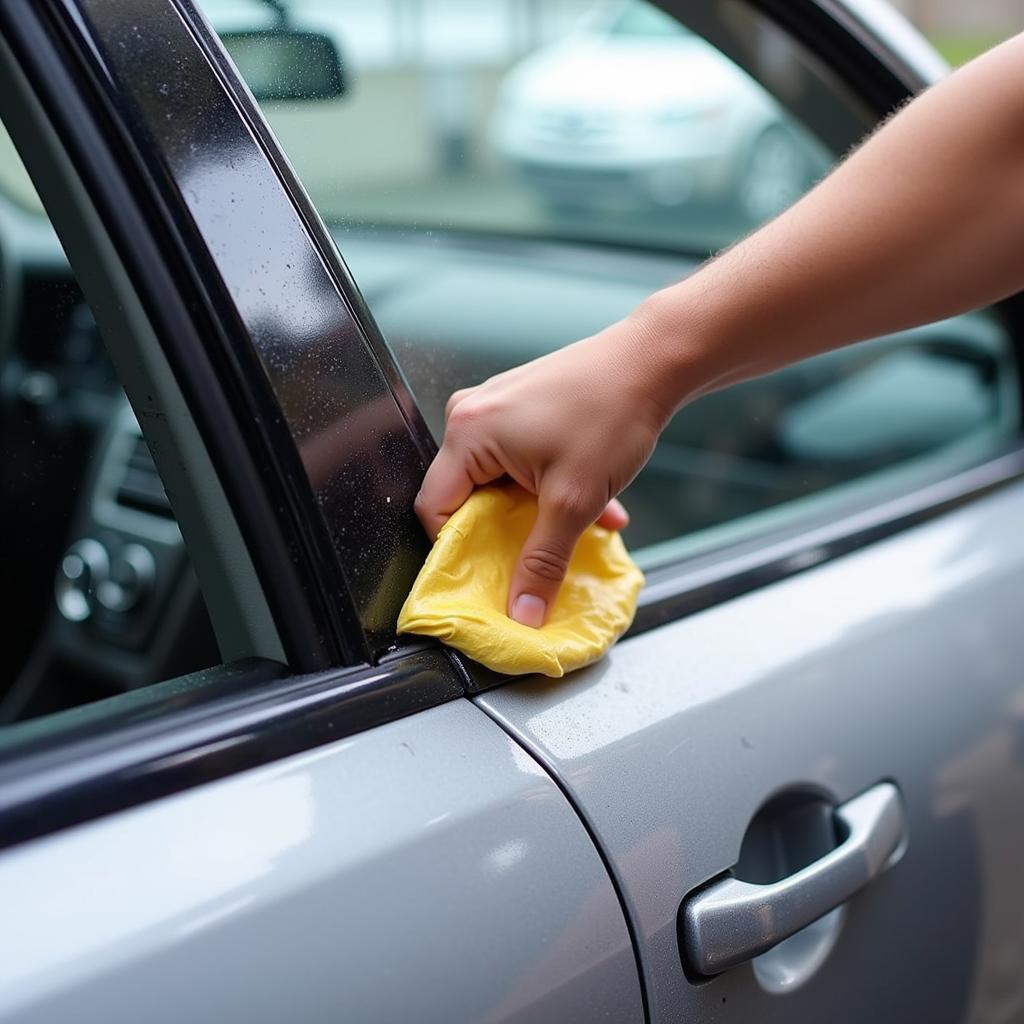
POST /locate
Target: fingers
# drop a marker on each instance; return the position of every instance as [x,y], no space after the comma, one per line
[460,465]
[614,517]
[544,560]
[446,486]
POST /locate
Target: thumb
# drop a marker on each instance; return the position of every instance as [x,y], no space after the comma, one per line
[544,560]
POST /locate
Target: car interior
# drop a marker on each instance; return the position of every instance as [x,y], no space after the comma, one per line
[101,595]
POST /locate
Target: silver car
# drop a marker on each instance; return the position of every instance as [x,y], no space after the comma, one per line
[246,253]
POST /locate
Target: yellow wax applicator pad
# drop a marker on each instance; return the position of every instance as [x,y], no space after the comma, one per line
[461,593]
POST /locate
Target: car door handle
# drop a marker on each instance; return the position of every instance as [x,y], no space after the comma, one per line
[732,921]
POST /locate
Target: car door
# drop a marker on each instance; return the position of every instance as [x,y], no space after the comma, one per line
[803,763]
[320,826]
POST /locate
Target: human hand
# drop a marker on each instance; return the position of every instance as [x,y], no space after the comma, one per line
[573,428]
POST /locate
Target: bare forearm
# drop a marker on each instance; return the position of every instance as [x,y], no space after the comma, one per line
[924,221]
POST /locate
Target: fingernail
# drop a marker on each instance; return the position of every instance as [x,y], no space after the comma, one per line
[529,610]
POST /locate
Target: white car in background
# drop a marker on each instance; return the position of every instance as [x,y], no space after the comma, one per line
[634,112]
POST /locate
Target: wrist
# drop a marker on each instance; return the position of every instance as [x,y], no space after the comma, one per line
[674,349]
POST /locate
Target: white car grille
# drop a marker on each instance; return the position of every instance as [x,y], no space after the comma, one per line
[574,128]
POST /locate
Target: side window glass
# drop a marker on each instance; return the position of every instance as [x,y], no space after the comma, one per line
[508,176]
[99,596]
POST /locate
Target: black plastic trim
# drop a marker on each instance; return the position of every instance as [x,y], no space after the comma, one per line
[231,719]
[318,231]
[855,55]
[848,26]
[170,271]
[341,463]
[676,591]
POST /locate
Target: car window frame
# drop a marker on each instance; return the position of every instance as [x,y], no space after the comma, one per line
[166,270]
[861,57]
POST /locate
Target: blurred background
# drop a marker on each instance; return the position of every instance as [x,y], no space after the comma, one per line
[962,30]
[568,117]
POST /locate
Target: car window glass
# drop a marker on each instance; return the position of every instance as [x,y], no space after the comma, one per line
[505,177]
[98,593]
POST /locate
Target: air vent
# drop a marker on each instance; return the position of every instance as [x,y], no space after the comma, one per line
[140,486]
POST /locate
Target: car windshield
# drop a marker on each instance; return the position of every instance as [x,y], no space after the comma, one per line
[513,118]
[643,21]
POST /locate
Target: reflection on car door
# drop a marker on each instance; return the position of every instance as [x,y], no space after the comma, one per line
[427,870]
[899,663]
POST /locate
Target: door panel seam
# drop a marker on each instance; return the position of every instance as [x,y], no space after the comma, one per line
[615,880]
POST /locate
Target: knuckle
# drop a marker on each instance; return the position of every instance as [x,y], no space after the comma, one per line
[567,503]
[462,415]
[473,414]
[453,401]
[546,564]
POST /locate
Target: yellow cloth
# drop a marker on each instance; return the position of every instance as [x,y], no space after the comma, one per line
[461,592]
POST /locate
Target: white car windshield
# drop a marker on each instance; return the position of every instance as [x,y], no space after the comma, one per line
[642,20]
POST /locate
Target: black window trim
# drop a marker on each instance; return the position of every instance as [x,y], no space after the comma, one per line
[686,587]
[166,266]
[341,555]
[850,49]
[321,236]
[94,760]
